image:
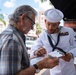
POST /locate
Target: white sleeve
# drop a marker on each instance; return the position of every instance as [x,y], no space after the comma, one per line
[73,43]
[37,45]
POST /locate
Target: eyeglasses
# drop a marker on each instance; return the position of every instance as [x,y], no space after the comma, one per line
[30,19]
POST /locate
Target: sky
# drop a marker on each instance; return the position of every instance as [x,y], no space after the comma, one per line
[8,6]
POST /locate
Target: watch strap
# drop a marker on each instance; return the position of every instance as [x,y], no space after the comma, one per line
[35,65]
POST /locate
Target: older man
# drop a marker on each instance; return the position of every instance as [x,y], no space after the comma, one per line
[14,59]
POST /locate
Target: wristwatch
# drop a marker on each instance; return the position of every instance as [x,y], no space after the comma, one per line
[36,67]
[72,55]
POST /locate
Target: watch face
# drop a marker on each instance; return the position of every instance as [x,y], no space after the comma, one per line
[37,70]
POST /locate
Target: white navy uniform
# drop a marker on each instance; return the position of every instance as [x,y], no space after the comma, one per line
[66,42]
[75,36]
[75,43]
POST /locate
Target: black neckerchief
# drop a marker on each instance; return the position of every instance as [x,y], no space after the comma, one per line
[58,39]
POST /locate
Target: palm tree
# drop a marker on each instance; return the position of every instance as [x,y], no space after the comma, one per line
[38,29]
[2,19]
[43,0]
[46,0]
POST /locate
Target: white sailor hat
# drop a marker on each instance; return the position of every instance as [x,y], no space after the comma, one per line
[53,15]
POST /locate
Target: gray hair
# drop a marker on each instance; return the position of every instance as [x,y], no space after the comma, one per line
[14,18]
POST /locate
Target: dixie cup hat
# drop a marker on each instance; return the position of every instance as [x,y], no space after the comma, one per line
[53,15]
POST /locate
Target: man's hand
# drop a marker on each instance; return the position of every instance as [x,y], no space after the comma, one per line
[67,57]
[48,63]
[40,52]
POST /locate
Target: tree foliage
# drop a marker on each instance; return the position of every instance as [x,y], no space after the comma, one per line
[46,0]
[38,29]
[43,0]
[2,19]
[1,16]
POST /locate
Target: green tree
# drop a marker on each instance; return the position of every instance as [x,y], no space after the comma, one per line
[1,16]
[38,29]
[46,0]
[2,19]
[43,0]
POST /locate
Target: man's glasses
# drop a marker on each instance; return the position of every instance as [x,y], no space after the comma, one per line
[30,19]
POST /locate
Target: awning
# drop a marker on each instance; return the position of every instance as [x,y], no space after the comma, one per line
[68,7]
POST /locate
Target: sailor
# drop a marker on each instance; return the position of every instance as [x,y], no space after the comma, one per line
[59,38]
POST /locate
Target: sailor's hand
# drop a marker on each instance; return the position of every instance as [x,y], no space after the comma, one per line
[40,52]
[67,57]
[48,63]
